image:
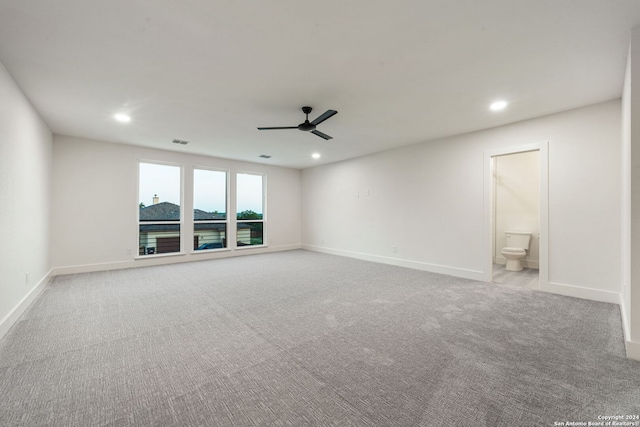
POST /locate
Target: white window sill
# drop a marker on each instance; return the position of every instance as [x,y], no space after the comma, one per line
[210,251]
[160,255]
[242,248]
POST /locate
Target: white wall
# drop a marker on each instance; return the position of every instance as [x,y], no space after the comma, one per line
[630,295]
[427,200]
[25,171]
[517,202]
[96,201]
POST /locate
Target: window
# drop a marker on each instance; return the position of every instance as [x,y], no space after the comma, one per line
[209,209]
[249,209]
[160,218]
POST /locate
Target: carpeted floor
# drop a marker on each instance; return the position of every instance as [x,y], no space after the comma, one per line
[300,338]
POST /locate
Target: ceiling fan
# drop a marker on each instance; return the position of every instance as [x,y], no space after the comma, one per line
[307,125]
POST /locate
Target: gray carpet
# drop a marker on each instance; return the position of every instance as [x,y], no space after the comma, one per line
[300,338]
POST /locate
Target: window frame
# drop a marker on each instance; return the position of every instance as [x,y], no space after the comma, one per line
[237,221]
[226,221]
[180,222]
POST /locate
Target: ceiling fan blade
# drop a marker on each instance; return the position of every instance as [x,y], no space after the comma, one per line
[324,116]
[321,135]
[282,127]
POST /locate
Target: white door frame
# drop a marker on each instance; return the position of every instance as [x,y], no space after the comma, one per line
[543,148]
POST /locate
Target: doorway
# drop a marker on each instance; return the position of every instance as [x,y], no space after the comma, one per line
[516,200]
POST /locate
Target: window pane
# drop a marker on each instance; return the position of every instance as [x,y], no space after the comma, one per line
[159,192]
[209,195]
[249,233]
[159,238]
[209,236]
[249,196]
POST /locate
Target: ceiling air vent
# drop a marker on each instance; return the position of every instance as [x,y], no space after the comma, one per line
[265,156]
[180,141]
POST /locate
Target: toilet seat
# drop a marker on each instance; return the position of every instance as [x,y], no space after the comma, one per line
[514,251]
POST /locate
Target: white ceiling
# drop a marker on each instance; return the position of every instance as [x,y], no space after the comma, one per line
[398,72]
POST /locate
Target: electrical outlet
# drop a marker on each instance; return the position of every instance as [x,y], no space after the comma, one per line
[128,251]
[394,249]
[26,278]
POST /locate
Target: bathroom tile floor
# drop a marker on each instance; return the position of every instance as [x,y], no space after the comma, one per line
[527,277]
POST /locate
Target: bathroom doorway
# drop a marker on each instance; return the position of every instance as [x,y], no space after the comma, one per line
[516,197]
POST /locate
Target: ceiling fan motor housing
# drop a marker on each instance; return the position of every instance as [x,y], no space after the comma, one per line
[306,126]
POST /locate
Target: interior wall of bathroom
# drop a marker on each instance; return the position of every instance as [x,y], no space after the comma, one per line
[517,202]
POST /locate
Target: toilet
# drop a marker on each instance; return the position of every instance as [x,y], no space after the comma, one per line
[516,249]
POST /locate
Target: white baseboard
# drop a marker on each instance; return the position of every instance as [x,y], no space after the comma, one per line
[584,293]
[416,265]
[633,350]
[89,268]
[625,319]
[11,318]
[170,259]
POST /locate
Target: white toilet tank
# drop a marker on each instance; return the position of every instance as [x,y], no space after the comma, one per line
[518,239]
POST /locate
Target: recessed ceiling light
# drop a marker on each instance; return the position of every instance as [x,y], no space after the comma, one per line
[316,155]
[122,118]
[498,105]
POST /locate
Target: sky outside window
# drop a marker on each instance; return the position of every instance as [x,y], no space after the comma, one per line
[163,180]
[249,193]
[210,190]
